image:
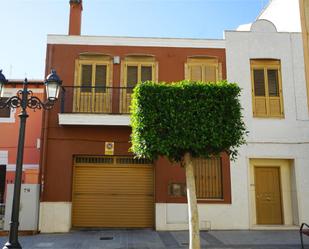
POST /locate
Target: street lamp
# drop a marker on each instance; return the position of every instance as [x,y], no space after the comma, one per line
[25,99]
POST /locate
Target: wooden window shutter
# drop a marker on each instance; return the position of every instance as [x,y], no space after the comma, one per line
[273,82]
[273,92]
[266,83]
[86,78]
[196,72]
[146,73]
[208,178]
[201,68]
[220,77]
[260,105]
[139,68]
[259,82]
[132,75]
[210,73]
[100,78]
[187,71]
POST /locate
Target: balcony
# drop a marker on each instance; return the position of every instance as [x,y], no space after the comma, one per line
[2,212]
[95,105]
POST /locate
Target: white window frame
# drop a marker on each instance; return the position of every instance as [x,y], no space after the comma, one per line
[11,119]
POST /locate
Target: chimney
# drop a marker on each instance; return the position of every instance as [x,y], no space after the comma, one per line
[76,8]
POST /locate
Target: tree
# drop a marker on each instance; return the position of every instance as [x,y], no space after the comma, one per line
[184,120]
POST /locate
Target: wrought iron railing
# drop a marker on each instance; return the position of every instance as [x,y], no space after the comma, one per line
[87,99]
[2,210]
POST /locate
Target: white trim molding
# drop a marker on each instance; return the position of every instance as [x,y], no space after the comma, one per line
[11,118]
[4,157]
[93,119]
[9,92]
[12,167]
[136,41]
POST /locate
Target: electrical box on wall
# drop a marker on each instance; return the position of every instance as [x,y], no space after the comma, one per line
[177,189]
[29,207]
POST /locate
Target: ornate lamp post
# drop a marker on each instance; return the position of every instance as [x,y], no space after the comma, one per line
[25,99]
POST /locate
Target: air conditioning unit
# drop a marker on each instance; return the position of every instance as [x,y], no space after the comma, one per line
[29,207]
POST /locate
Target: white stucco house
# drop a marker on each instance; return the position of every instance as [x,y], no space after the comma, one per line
[270,178]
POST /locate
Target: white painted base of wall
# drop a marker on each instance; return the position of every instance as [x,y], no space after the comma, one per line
[171,216]
[29,207]
[55,217]
[274,227]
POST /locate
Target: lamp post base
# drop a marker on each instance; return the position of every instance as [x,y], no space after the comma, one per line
[9,245]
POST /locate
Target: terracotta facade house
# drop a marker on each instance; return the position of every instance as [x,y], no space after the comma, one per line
[89,177]
[9,128]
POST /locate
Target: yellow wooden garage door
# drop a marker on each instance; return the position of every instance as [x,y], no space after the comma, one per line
[112,192]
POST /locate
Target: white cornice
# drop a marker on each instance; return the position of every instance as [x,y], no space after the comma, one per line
[93,119]
[135,41]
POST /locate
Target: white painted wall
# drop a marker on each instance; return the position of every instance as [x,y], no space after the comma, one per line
[55,217]
[29,207]
[286,138]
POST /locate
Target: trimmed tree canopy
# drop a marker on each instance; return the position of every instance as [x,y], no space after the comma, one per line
[172,119]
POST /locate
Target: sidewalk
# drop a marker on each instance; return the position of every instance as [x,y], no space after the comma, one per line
[149,239]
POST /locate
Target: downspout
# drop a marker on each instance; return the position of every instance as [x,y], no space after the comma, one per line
[44,133]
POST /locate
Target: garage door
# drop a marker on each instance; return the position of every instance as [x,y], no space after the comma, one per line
[112,192]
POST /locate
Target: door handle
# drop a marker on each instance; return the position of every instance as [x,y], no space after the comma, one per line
[268,198]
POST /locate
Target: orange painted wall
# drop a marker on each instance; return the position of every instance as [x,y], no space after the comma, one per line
[63,142]
[9,138]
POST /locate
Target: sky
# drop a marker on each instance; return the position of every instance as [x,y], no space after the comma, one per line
[24,24]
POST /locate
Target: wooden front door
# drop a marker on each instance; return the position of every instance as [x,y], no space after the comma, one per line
[2,182]
[268,196]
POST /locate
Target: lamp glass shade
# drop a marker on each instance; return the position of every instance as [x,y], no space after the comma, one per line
[1,89]
[52,90]
[3,81]
[53,84]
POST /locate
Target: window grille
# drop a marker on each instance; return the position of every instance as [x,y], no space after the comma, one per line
[208,178]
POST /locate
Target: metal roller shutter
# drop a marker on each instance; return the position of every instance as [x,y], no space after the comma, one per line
[112,192]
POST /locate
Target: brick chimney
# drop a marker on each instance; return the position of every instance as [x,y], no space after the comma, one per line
[76,8]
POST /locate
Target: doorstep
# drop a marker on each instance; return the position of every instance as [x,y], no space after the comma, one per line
[274,227]
[4,233]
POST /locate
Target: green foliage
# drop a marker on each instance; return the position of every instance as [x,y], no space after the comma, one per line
[196,117]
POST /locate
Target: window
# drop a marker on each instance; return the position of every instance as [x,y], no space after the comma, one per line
[5,112]
[208,178]
[94,78]
[138,69]
[203,69]
[266,88]
[135,69]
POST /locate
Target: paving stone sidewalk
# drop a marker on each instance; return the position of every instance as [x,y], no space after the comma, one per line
[149,239]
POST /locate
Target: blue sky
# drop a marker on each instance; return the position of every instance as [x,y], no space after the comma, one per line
[26,23]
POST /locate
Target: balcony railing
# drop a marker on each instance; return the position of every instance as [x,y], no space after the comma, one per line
[108,100]
[2,210]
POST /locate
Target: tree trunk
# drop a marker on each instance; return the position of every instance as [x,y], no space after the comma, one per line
[192,203]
